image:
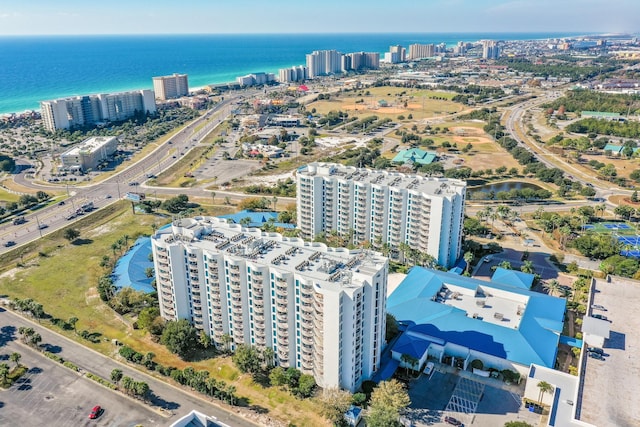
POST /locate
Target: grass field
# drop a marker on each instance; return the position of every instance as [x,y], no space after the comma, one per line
[7,197]
[62,276]
[419,103]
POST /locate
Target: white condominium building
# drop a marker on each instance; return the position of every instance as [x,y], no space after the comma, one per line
[168,87]
[382,207]
[321,310]
[490,49]
[324,63]
[419,51]
[65,113]
[293,74]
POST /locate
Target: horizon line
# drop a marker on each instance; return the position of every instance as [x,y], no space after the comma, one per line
[573,33]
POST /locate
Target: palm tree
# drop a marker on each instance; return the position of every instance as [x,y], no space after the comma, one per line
[226,340]
[275,203]
[544,387]
[527,267]
[552,286]
[72,321]
[468,257]
[15,358]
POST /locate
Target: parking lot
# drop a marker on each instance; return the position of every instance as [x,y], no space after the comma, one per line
[52,395]
[472,400]
[611,386]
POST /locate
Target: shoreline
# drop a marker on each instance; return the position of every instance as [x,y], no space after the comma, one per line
[203,80]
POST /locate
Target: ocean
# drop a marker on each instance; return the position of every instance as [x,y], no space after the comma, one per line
[37,68]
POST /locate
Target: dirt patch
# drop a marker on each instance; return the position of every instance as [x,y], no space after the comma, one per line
[10,274]
[103,229]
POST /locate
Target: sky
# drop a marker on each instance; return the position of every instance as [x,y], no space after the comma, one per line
[57,17]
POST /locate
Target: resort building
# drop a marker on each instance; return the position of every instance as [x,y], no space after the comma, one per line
[89,153]
[324,63]
[293,74]
[455,320]
[321,310]
[419,51]
[490,49]
[77,111]
[169,87]
[382,207]
[358,61]
[395,55]
[255,79]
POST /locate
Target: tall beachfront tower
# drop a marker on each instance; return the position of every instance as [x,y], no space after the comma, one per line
[168,87]
[321,310]
[324,63]
[383,207]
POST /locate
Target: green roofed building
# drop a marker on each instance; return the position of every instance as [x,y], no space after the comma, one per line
[601,115]
[415,155]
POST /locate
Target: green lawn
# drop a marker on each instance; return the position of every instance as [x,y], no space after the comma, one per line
[62,277]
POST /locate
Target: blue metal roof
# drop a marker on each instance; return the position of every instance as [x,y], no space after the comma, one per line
[513,277]
[535,340]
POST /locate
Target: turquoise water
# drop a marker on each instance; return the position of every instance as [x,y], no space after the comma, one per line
[37,68]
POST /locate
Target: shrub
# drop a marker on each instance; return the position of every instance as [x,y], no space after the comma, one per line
[477,364]
[71,366]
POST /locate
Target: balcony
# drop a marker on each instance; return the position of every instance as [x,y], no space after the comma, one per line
[260,340]
[258,317]
[307,365]
[282,318]
[237,310]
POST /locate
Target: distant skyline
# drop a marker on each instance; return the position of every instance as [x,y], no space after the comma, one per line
[68,17]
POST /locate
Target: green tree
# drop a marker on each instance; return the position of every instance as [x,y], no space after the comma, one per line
[247,359]
[73,321]
[468,257]
[306,385]
[634,196]
[517,424]
[116,375]
[544,387]
[527,267]
[334,402]
[388,399]
[147,316]
[277,377]
[552,286]
[391,328]
[205,339]
[4,371]
[180,337]
[15,358]
[71,234]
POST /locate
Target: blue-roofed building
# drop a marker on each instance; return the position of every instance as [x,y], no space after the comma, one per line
[415,155]
[513,278]
[257,219]
[353,415]
[457,319]
[617,149]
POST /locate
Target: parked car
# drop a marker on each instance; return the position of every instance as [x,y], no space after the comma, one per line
[42,226]
[599,316]
[95,412]
[453,421]
[596,356]
[598,307]
[488,258]
[9,244]
[595,350]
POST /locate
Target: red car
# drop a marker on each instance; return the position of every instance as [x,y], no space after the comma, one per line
[95,412]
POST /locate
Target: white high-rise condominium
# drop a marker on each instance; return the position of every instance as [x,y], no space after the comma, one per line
[490,49]
[383,207]
[323,63]
[418,51]
[65,113]
[168,87]
[321,310]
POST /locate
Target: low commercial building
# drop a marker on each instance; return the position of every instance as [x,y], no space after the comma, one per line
[456,320]
[415,156]
[320,309]
[89,153]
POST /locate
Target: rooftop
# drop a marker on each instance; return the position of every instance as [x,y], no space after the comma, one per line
[415,155]
[89,145]
[334,268]
[382,178]
[501,319]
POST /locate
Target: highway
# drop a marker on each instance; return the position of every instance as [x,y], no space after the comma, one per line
[115,187]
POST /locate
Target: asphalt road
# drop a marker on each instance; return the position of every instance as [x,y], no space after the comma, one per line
[52,395]
[178,401]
